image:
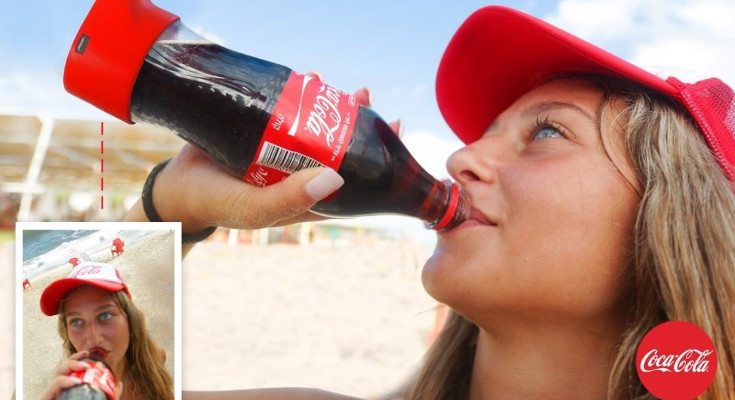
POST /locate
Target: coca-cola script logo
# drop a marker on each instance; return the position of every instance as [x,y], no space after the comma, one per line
[83,272]
[325,117]
[676,360]
[259,177]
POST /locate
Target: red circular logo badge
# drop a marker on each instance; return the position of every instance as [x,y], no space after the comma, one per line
[676,361]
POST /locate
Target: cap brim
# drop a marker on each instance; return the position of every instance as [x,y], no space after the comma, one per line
[498,54]
[56,291]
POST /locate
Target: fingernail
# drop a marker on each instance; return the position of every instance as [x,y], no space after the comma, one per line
[318,75]
[400,128]
[370,95]
[324,184]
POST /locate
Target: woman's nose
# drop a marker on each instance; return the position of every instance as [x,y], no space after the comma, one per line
[472,164]
[95,334]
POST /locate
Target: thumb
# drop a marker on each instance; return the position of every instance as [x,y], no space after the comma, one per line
[119,390]
[319,185]
[293,196]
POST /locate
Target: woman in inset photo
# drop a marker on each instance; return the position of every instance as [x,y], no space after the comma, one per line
[118,310]
[97,315]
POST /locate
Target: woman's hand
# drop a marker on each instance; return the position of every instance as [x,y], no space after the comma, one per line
[199,193]
[61,379]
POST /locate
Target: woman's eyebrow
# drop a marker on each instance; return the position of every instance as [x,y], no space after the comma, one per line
[99,308]
[104,307]
[545,106]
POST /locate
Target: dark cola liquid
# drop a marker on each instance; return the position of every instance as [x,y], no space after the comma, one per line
[214,98]
[221,101]
[82,392]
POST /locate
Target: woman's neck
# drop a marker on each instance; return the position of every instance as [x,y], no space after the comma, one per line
[544,362]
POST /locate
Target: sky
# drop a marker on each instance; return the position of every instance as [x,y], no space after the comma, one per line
[391,46]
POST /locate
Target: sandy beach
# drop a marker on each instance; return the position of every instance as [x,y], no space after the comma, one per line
[146,267]
[351,319]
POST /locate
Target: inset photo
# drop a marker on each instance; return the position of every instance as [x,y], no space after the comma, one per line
[98,310]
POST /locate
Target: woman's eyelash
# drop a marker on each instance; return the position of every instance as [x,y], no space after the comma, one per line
[546,122]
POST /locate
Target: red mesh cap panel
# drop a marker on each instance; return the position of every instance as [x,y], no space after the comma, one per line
[712,104]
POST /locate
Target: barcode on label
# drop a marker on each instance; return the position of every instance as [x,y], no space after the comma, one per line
[285,160]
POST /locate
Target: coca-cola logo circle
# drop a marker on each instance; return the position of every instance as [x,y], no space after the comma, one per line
[676,360]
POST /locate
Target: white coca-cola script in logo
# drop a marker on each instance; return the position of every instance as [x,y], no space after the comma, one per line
[259,177]
[84,271]
[691,360]
[325,116]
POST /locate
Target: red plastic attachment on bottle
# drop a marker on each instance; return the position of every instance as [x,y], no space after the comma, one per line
[109,50]
[450,211]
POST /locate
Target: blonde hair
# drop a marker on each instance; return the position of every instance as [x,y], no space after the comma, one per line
[151,380]
[683,265]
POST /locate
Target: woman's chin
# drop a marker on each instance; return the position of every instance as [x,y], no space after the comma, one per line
[459,273]
[439,275]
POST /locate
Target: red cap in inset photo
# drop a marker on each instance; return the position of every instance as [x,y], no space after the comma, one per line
[100,275]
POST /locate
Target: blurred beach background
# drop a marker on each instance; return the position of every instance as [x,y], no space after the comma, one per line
[7,315]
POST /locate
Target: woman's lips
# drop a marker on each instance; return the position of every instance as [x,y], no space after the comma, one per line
[476,219]
[480,217]
[100,352]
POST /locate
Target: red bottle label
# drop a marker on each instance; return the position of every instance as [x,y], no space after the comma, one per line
[99,376]
[311,126]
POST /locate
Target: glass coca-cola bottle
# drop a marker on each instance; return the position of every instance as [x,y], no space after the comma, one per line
[98,382]
[260,120]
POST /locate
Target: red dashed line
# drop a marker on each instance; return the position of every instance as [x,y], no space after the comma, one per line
[102,166]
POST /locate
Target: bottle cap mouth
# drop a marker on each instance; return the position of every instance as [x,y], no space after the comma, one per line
[456,212]
[109,49]
[450,211]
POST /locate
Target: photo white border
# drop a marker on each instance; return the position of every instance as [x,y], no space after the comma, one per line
[141,226]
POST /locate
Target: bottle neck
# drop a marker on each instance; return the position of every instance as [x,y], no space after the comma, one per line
[454,207]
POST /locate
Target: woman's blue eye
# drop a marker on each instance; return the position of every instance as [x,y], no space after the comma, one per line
[547,132]
[546,128]
[105,316]
[76,322]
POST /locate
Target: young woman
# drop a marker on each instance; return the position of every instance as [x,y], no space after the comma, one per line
[602,206]
[97,314]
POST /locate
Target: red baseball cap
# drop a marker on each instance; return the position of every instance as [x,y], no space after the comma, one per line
[498,54]
[100,275]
